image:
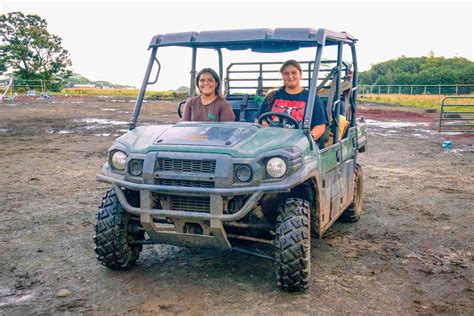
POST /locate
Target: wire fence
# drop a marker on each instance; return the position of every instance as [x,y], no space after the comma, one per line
[25,87]
[13,86]
[455,89]
[39,85]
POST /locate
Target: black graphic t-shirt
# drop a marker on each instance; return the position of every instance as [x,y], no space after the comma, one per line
[295,105]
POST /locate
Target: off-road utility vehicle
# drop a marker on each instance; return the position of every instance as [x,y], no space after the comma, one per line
[239,185]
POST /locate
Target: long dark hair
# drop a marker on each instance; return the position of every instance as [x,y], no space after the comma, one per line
[214,74]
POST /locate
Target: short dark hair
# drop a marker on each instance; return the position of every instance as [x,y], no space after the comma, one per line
[214,74]
[291,62]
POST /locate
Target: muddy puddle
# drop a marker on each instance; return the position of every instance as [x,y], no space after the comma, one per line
[416,129]
[15,297]
[99,127]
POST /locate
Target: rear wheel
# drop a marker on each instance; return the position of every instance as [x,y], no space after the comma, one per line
[292,245]
[354,210]
[116,230]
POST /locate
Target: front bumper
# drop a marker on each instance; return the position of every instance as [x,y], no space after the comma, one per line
[214,235]
[215,195]
[218,212]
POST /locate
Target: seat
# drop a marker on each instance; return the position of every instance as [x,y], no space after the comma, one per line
[343,126]
[243,113]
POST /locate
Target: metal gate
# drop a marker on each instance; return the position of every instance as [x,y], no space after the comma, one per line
[457,114]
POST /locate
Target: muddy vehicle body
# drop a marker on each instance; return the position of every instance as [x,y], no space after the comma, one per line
[238,185]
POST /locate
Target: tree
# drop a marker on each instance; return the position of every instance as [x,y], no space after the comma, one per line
[421,71]
[28,51]
[183,89]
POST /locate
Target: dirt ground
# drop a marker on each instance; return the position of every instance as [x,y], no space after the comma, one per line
[411,252]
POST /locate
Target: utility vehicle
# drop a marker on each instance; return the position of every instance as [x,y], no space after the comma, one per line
[239,185]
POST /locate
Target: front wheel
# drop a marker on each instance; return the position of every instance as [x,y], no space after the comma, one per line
[116,230]
[354,210]
[292,245]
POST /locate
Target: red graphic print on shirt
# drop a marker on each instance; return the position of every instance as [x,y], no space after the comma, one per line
[293,108]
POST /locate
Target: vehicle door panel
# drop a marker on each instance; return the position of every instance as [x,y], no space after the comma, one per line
[347,169]
[330,169]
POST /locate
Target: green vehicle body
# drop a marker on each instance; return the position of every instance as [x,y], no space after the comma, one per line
[188,192]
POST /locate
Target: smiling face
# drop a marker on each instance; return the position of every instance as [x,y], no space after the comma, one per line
[207,84]
[291,77]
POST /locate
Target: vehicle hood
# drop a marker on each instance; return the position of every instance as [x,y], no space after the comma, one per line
[243,140]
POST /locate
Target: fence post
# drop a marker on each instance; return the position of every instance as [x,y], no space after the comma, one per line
[415,89]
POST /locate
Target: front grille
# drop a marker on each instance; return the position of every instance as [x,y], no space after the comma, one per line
[186,183]
[196,204]
[185,165]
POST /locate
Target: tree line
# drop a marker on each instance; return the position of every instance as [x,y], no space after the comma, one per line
[420,71]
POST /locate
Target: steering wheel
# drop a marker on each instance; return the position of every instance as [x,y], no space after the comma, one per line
[284,120]
[179,108]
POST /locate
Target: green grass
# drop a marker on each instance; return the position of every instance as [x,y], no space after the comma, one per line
[122,93]
[418,101]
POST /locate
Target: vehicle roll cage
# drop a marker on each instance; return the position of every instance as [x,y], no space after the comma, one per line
[261,73]
[265,41]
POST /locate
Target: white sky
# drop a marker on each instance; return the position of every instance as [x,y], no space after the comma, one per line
[108,40]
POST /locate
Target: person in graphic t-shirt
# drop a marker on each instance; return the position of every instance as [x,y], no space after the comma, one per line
[209,106]
[292,97]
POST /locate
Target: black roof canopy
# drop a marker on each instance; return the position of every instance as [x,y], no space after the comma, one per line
[258,40]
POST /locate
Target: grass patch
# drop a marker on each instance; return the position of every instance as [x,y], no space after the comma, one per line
[418,101]
[125,93]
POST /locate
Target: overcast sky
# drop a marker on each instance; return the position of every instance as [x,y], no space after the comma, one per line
[108,40]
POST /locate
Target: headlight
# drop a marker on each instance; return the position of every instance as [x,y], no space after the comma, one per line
[276,167]
[243,173]
[136,167]
[118,160]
